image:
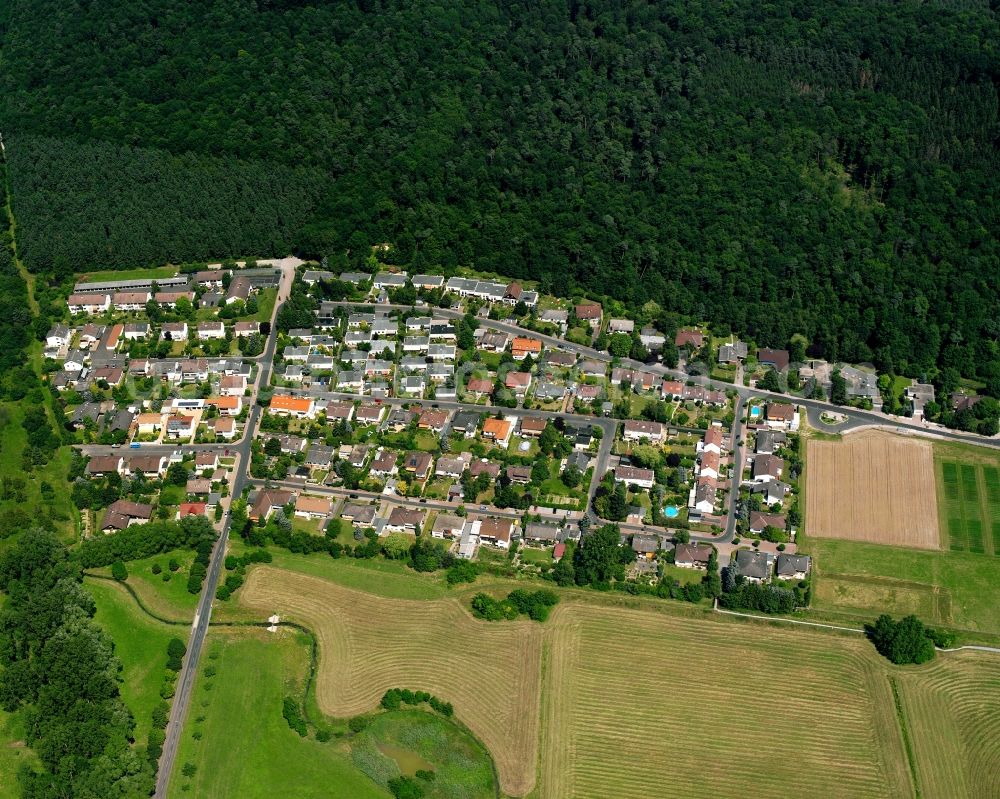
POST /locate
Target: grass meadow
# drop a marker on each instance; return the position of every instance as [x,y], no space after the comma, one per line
[968,481]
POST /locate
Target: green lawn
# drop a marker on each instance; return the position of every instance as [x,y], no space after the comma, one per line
[955,588]
[683,576]
[244,748]
[128,274]
[378,576]
[968,494]
[167,598]
[13,754]
[265,305]
[141,646]
[541,557]
[426,440]
[404,741]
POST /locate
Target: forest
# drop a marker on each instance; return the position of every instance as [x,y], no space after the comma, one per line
[805,167]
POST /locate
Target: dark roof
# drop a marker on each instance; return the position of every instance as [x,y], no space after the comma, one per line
[753,564]
[792,564]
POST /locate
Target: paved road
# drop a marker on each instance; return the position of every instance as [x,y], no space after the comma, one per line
[856,418]
[199,628]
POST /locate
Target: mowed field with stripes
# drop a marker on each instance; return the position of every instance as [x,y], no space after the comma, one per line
[969,502]
[604,700]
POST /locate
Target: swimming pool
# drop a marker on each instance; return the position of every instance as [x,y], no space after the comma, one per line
[672,512]
[755,411]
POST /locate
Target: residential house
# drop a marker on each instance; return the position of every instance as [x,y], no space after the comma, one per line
[919,394]
[130,301]
[761,521]
[754,566]
[767,467]
[319,456]
[589,312]
[199,486]
[389,280]
[693,338]
[452,465]
[779,415]
[703,497]
[713,441]
[497,430]
[496,532]
[307,507]
[540,531]
[299,407]
[692,556]
[206,461]
[148,465]
[428,282]
[133,331]
[518,382]
[709,465]
[479,386]
[432,420]
[633,475]
[266,501]
[466,423]
[186,509]
[645,546]
[418,464]
[641,430]
[778,359]
[520,475]
[174,331]
[223,427]
[122,513]
[652,339]
[447,525]
[180,427]
[484,466]
[229,406]
[532,426]
[358,514]
[239,290]
[555,316]
[105,464]
[384,464]
[773,492]
[792,567]
[232,385]
[88,303]
[769,441]
[405,520]
[521,347]
[733,352]
[621,326]
[339,411]
[492,341]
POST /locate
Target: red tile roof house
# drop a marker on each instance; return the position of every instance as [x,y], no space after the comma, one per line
[518,382]
[588,312]
[191,509]
[693,337]
[479,385]
[419,463]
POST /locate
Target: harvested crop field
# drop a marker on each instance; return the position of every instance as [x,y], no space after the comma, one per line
[872,487]
[368,644]
[627,691]
[952,711]
[618,686]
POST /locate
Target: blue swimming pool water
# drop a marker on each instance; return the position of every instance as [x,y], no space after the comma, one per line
[755,411]
[671,512]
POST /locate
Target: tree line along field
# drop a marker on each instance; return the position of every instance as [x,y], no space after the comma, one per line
[633,702]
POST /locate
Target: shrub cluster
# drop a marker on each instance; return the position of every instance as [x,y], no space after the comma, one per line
[292,713]
[394,698]
[236,566]
[534,604]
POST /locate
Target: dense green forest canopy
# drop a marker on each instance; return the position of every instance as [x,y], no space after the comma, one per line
[820,167]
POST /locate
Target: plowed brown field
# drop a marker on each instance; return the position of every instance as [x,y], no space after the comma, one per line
[872,487]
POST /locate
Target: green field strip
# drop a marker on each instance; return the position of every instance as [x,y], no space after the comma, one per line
[969,485]
[991,479]
[974,535]
[996,537]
